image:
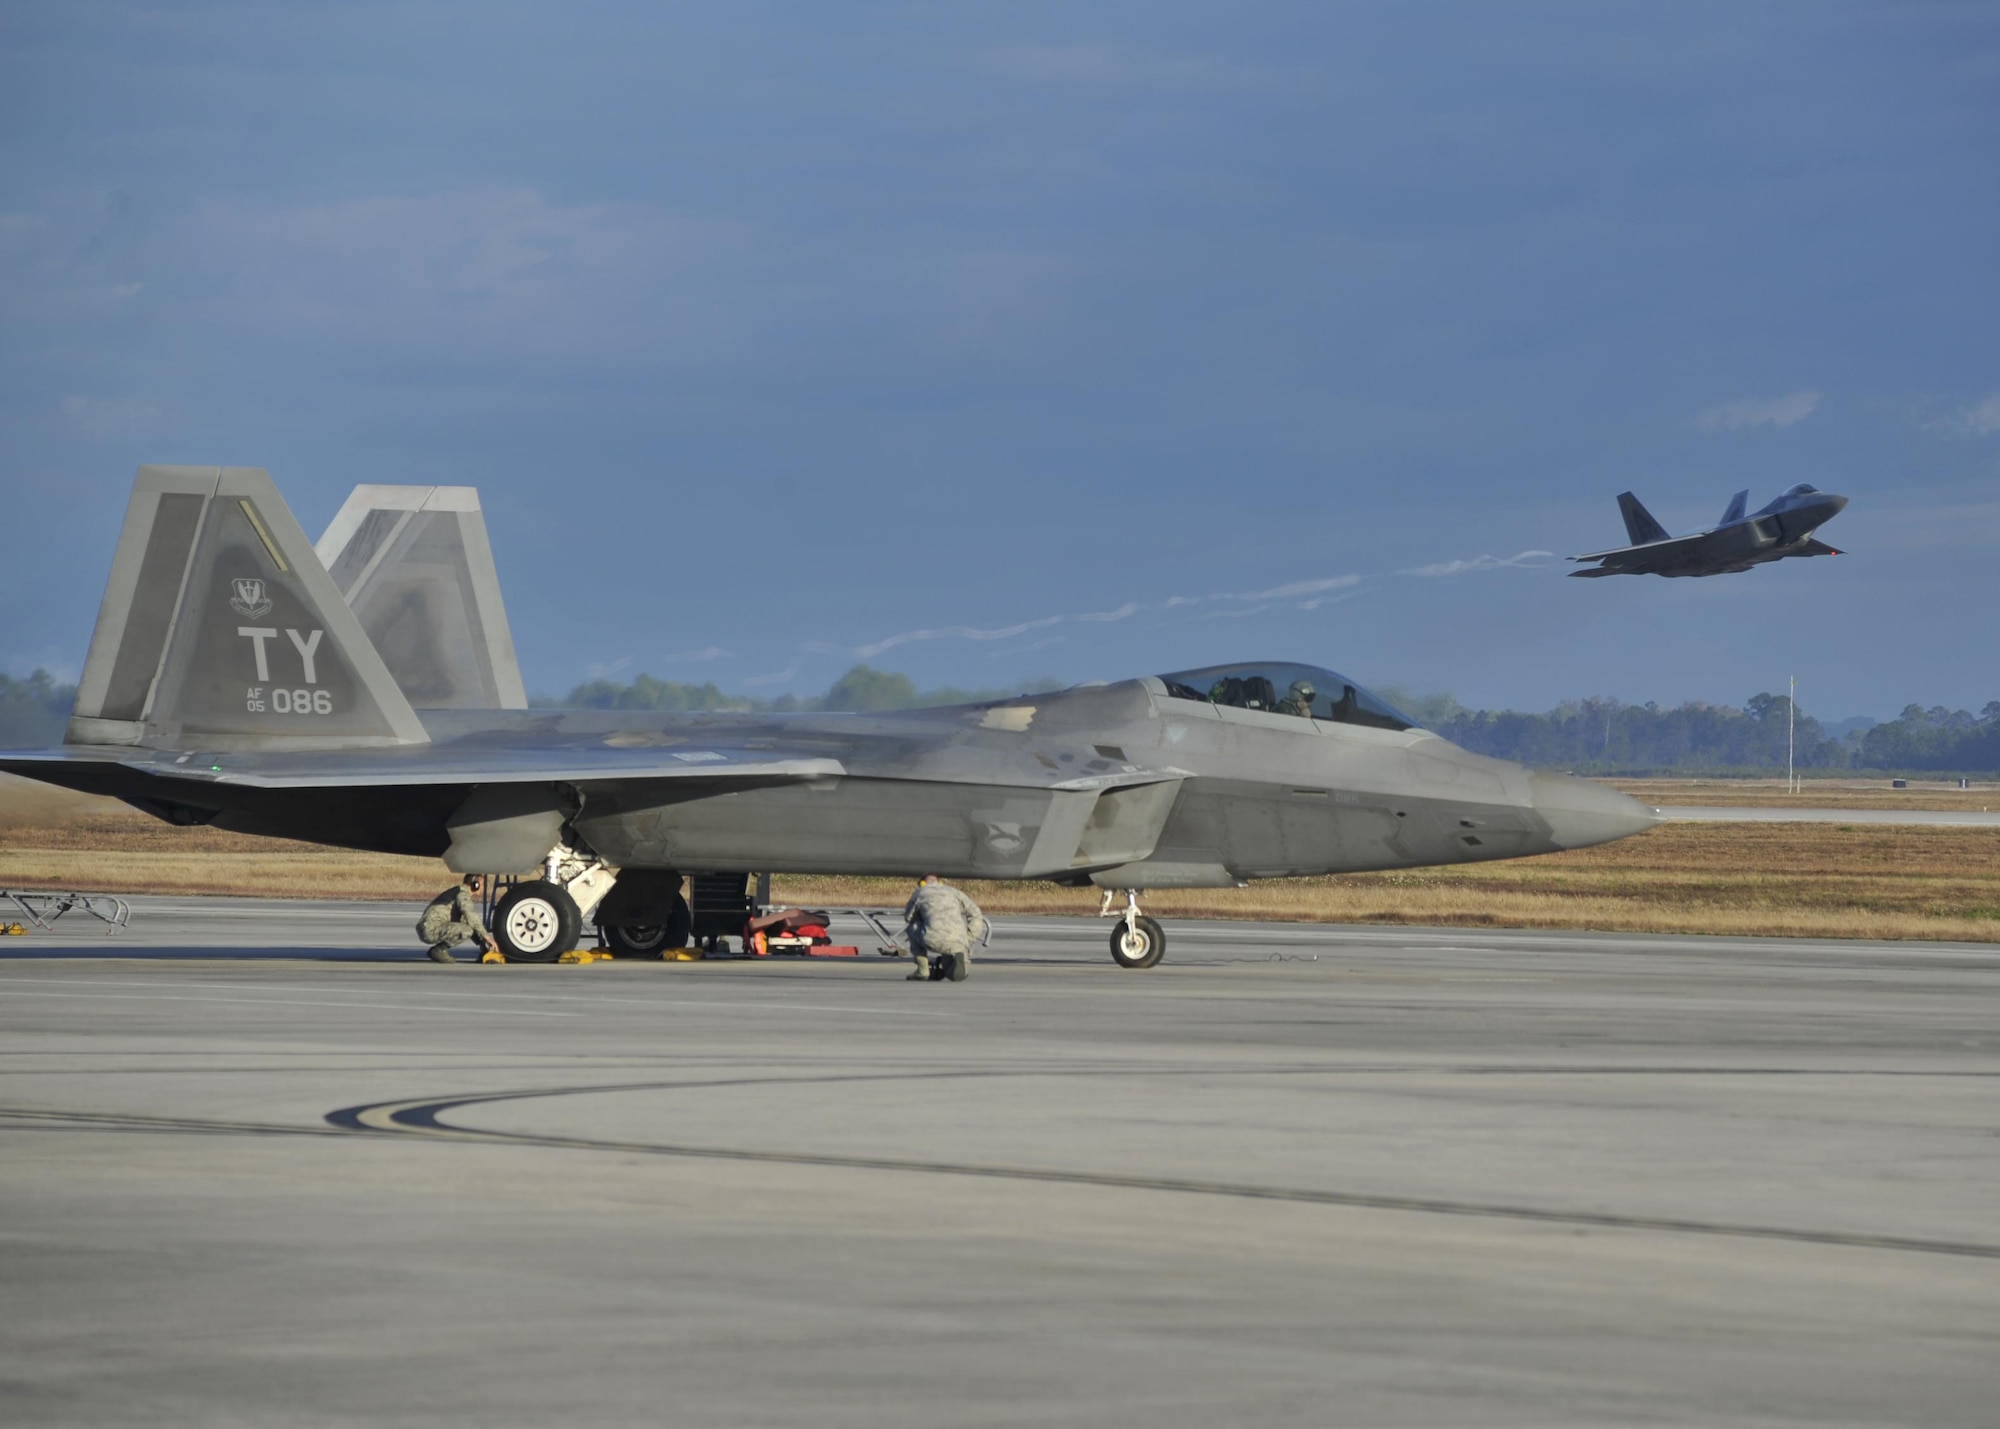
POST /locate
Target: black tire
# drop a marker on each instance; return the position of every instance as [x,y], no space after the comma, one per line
[536,923]
[651,942]
[1140,946]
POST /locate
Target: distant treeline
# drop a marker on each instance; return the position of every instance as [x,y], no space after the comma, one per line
[861,688]
[1605,735]
[1601,735]
[33,711]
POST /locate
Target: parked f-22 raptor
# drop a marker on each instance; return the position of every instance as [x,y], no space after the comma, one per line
[366,695]
[1736,543]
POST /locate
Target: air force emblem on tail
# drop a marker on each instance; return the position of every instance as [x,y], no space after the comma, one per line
[247,597]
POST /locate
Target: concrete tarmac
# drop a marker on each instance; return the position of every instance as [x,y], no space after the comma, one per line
[1760,814]
[261,1164]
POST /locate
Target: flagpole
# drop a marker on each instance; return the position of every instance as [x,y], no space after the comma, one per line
[1791,722]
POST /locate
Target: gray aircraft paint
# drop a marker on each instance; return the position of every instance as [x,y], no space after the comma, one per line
[221,630]
[1780,530]
[1145,783]
[414,564]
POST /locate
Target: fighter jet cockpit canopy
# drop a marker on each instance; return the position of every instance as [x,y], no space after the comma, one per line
[1304,690]
[1789,494]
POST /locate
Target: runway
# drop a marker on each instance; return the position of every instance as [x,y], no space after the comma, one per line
[263,1164]
[1761,814]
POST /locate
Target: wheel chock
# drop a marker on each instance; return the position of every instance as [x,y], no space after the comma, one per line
[493,955]
[682,955]
[583,957]
[13,930]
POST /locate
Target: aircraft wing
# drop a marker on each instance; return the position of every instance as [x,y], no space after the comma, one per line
[713,764]
[1674,546]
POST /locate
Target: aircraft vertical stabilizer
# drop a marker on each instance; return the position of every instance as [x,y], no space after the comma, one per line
[414,564]
[220,629]
[1738,504]
[1639,522]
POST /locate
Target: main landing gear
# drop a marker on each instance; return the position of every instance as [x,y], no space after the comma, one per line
[1136,940]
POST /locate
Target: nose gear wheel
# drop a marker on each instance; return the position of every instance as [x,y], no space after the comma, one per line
[537,923]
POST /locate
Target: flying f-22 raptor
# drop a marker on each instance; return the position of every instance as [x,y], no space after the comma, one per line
[366,695]
[1736,543]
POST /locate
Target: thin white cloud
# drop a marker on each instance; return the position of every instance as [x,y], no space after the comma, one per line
[780,677]
[1129,608]
[993,300]
[1123,612]
[1759,412]
[1983,418]
[113,416]
[465,269]
[685,657]
[1335,599]
[1285,592]
[1480,563]
[1234,605]
[956,632]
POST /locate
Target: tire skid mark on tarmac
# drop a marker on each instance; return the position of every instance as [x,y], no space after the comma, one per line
[424,1118]
[16,1118]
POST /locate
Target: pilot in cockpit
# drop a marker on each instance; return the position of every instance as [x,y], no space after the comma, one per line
[1298,700]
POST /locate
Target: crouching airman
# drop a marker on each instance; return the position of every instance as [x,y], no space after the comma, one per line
[452,918]
[942,925]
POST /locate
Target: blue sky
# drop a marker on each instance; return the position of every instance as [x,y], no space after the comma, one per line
[988,342]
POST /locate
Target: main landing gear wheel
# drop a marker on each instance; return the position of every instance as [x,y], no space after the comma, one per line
[1139,946]
[536,923]
[651,941]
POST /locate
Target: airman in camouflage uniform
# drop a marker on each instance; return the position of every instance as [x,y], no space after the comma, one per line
[942,925]
[453,917]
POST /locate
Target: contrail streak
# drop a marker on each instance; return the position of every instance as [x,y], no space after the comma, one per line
[1325,590]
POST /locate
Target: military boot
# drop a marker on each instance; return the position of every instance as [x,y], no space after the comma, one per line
[923,971]
[441,953]
[961,966]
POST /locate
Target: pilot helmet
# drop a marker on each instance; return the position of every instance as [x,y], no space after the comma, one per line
[1303,691]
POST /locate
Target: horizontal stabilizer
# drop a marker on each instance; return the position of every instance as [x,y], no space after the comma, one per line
[1738,505]
[1817,548]
[414,563]
[1639,522]
[220,629]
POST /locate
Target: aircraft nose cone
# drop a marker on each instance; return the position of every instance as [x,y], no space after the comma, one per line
[1580,813]
[1835,505]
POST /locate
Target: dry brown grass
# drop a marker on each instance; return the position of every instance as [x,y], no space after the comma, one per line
[1823,880]
[1816,880]
[50,838]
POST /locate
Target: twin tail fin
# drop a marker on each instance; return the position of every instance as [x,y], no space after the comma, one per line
[1639,522]
[221,629]
[415,566]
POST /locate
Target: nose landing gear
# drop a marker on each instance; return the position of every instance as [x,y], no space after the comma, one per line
[1136,940]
